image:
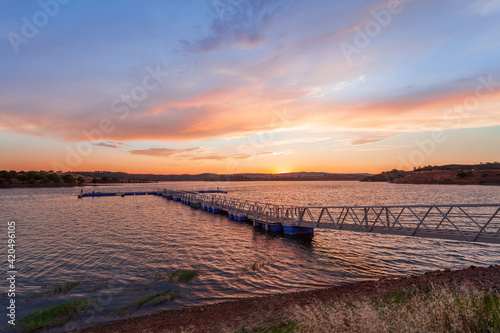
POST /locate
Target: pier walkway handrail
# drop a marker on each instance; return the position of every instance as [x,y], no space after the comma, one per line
[469,222]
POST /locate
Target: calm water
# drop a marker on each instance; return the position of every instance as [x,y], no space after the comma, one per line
[123,242]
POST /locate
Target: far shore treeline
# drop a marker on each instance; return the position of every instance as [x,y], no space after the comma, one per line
[43,178]
[482,174]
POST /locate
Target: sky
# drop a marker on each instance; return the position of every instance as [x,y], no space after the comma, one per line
[235,86]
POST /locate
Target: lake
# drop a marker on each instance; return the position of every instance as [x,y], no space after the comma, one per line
[120,250]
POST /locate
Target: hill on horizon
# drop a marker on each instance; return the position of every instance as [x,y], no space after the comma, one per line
[234,177]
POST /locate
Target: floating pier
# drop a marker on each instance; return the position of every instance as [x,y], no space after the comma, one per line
[113,194]
[98,194]
[467,222]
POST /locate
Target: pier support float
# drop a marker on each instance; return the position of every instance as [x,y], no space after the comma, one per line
[260,225]
[275,228]
[98,195]
[290,230]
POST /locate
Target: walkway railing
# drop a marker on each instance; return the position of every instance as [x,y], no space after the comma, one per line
[469,222]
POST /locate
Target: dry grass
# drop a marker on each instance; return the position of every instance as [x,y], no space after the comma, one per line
[438,309]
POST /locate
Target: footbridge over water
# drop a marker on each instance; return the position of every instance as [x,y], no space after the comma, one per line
[467,222]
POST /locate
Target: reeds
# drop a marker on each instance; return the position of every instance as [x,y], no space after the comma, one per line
[154,298]
[183,275]
[56,290]
[54,316]
[257,265]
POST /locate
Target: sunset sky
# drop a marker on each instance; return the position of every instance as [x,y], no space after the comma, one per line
[231,86]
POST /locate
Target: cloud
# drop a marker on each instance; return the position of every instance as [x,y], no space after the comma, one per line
[370,139]
[238,114]
[163,152]
[326,89]
[237,23]
[381,148]
[198,154]
[110,144]
[297,65]
[223,157]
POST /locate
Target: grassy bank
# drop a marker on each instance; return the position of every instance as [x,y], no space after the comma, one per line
[436,309]
[465,300]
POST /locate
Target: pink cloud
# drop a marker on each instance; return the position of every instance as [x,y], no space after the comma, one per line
[198,154]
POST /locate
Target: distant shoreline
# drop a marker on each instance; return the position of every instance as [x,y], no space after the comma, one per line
[63,185]
[399,181]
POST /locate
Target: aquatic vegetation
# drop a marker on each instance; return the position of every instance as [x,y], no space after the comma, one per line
[255,266]
[55,291]
[173,295]
[159,276]
[183,275]
[155,298]
[55,316]
[99,287]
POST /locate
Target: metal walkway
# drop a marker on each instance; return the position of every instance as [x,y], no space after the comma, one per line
[473,222]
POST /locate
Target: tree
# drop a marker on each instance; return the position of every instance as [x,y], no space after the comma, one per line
[54,177]
[67,178]
[23,177]
[81,180]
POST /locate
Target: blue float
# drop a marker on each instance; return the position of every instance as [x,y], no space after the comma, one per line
[290,230]
[275,228]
